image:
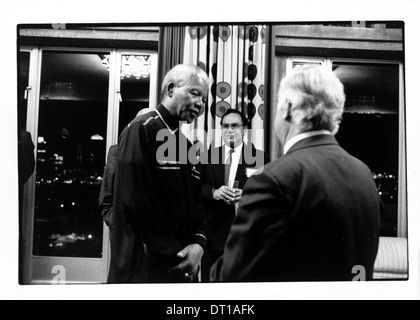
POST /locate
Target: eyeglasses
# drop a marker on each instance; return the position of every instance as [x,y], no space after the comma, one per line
[234,126]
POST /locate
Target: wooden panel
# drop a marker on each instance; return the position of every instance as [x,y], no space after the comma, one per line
[331,32]
[339,44]
[138,35]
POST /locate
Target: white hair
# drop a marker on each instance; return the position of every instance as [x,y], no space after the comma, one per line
[181,75]
[316,97]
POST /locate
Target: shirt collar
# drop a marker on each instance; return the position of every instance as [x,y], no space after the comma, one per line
[290,143]
[238,149]
[168,119]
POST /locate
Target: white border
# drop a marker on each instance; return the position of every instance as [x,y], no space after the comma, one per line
[14,12]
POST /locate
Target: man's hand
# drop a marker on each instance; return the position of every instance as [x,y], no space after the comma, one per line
[224,193]
[228,195]
[191,256]
[238,195]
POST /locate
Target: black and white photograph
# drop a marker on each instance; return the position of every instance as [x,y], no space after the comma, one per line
[211,157]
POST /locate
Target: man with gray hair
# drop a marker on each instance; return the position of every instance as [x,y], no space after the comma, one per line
[160,196]
[314,213]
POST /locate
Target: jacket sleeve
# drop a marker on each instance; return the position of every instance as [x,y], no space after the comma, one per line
[255,232]
[202,232]
[107,187]
[26,156]
[201,221]
[266,158]
[204,168]
[134,190]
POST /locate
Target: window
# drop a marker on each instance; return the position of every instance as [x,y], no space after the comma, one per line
[24,57]
[373,128]
[134,86]
[370,127]
[75,105]
[70,155]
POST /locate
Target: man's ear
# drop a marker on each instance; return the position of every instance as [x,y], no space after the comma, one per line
[288,115]
[170,89]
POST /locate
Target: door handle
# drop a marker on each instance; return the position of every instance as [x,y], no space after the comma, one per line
[27,91]
[119,95]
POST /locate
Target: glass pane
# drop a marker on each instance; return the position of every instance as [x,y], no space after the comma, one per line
[369,129]
[23,82]
[297,63]
[135,86]
[71,154]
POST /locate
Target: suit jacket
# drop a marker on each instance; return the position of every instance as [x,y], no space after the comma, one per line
[219,214]
[157,189]
[26,158]
[107,187]
[26,166]
[313,214]
[127,254]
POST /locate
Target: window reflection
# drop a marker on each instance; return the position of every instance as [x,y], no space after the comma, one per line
[370,127]
[135,86]
[71,155]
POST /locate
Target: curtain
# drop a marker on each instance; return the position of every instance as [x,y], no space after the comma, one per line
[171,51]
[234,58]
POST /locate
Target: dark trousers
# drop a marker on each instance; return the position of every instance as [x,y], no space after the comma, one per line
[20,272]
[158,267]
[209,258]
[127,263]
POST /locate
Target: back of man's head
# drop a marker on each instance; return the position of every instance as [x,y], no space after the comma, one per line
[315,96]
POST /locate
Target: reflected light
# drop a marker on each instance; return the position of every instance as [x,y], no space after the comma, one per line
[96,137]
[137,66]
[132,66]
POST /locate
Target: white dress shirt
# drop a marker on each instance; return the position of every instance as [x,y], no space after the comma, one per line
[290,143]
[236,156]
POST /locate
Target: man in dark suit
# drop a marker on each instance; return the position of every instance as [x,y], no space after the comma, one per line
[26,158]
[313,214]
[127,254]
[230,163]
[26,166]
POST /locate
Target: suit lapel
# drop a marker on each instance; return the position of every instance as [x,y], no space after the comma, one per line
[219,168]
[241,171]
[220,173]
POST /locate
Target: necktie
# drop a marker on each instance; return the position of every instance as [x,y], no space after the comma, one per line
[227,166]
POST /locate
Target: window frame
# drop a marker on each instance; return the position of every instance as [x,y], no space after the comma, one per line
[402,226]
[78,270]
